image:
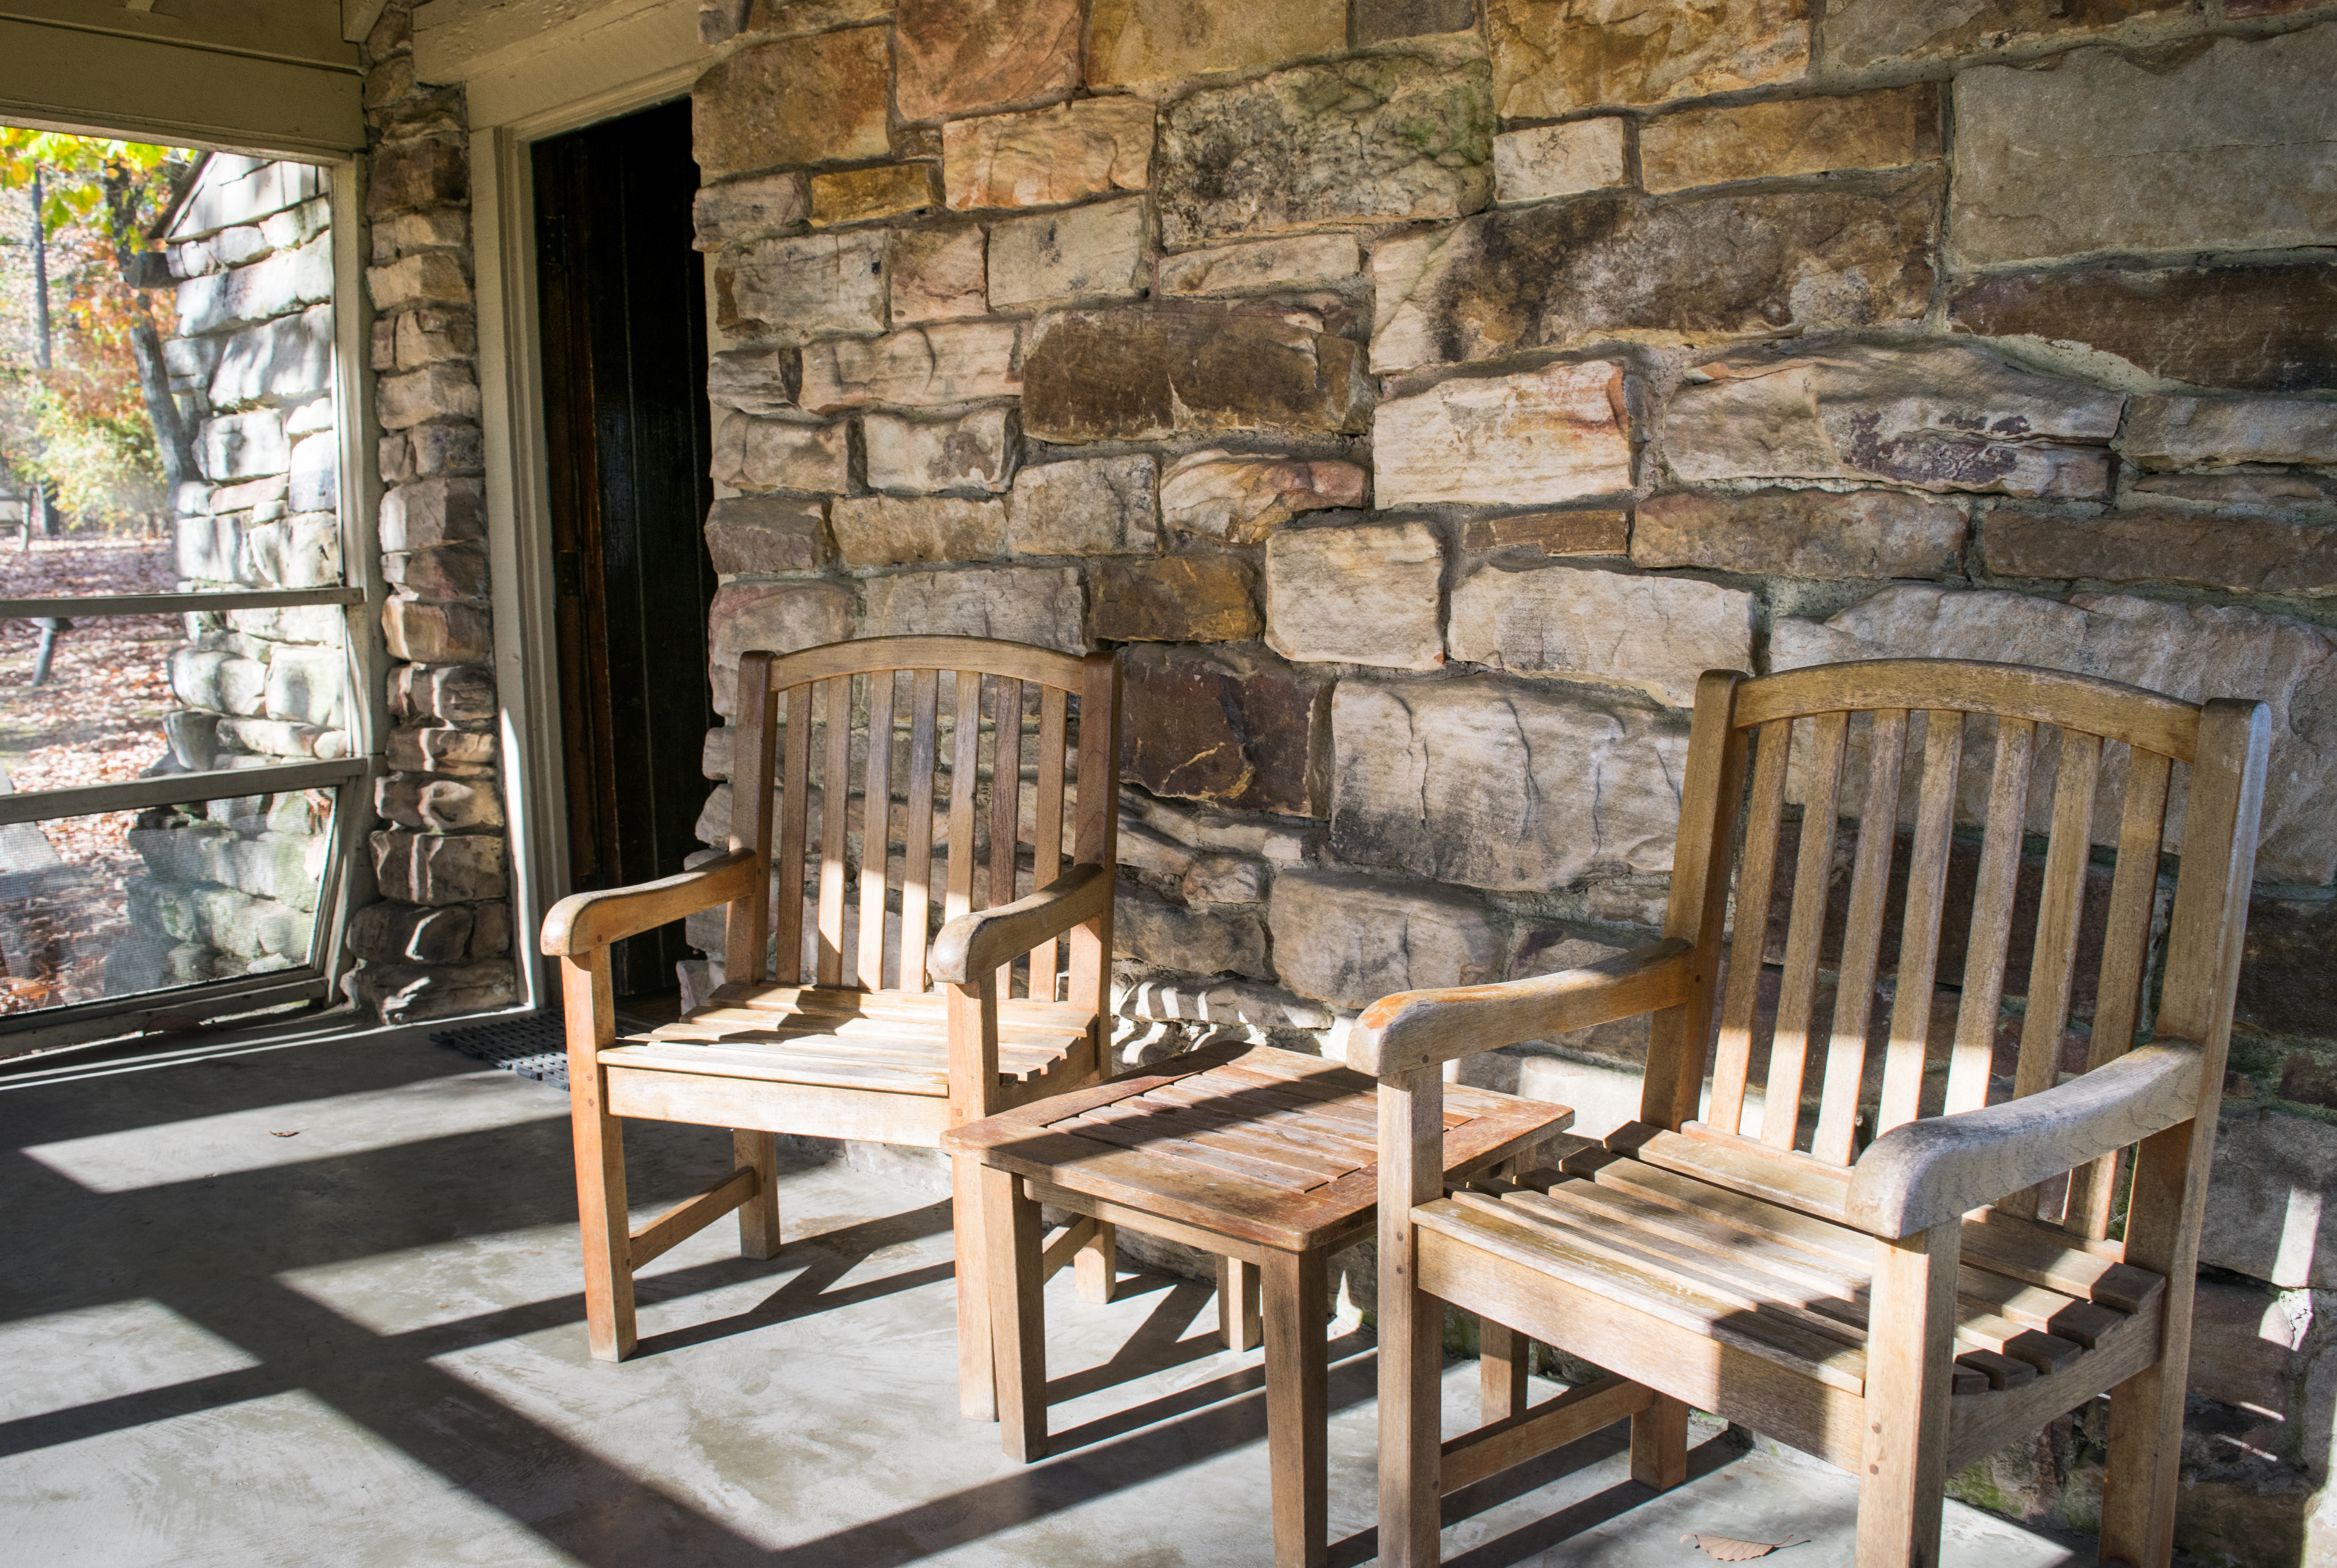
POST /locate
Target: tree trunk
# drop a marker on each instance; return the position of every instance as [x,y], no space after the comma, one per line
[161,408]
[40,278]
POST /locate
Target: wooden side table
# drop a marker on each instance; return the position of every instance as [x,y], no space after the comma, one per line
[1264,1157]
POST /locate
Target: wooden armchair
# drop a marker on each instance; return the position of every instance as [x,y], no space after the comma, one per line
[1903,1310]
[804,1035]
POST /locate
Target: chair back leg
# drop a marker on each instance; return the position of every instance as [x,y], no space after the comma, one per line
[758,1216]
[1660,1444]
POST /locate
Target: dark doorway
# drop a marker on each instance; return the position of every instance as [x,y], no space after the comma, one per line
[625,421]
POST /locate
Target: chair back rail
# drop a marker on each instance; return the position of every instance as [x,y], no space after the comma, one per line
[1901,789]
[933,773]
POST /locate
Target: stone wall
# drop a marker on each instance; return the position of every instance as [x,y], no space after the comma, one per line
[1422,395]
[440,940]
[230,886]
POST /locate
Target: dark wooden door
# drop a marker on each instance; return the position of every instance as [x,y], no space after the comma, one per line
[625,377]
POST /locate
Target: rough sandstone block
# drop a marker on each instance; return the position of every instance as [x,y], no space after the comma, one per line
[938,273]
[1379,20]
[429,869]
[1379,139]
[950,362]
[777,617]
[1096,252]
[1040,605]
[1552,534]
[2228,150]
[430,633]
[864,195]
[816,100]
[897,530]
[1241,499]
[1864,33]
[1090,506]
[761,381]
[1552,57]
[1945,416]
[290,356]
[1230,725]
[1144,372]
[457,694]
[1360,594]
[438,805]
[975,452]
[2200,432]
[433,277]
[2265,1216]
[243,447]
[433,511]
[1177,599]
[2191,651]
[1802,534]
[745,208]
[1548,160]
[1135,41]
[1198,938]
[410,932]
[1303,262]
[1884,130]
[804,286]
[2237,554]
[2276,492]
[428,173]
[765,534]
[1491,783]
[1537,437]
[2273,329]
[2287,984]
[417,396]
[752,453]
[413,993]
[1655,635]
[1679,270]
[959,55]
[1350,940]
[432,336]
[1048,156]
[439,571]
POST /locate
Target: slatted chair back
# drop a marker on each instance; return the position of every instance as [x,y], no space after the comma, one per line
[944,729]
[1895,767]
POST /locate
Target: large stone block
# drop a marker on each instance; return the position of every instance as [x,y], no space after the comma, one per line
[1558,434]
[302,551]
[761,381]
[1682,270]
[2287,984]
[413,993]
[2268,328]
[751,454]
[898,530]
[445,748]
[429,869]
[804,286]
[416,396]
[1231,725]
[410,932]
[1802,534]
[816,100]
[289,358]
[777,617]
[1359,595]
[440,571]
[430,633]
[281,284]
[1048,156]
[973,451]
[433,511]
[1350,940]
[456,694]
[938,273]
[1198,938]
[2190,652]
[1040,604]
[2237,554]
[1859,34]
[949,362]
[1145,372]
[1547,161]
[1884,130]
[1090,506]
[430,337]
[2203,433]
[2226,150]
[1303,262]
[1374,140]
[410,175]
[1657,634]
[438,805]
[1177,599]
[1141,41]
[960,55]
[1944,416]
[1096,252]
[1492,783]
[864,195]
[743,209]
[433,277]
[1581,533]
[1553,57]
[2266,1213]
[243,447]
[763,533]
[314,485]
[1242,499]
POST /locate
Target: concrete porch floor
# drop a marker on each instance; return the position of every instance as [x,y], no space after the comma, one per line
[318,1303]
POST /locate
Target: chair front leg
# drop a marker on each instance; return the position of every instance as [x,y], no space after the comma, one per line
[599,1140]
[973,1093]
[758,1217]
[1910,1353]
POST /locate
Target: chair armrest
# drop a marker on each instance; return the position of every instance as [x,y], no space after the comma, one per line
[973,944]
[1414,1029]
[1926,1174]
[583,921]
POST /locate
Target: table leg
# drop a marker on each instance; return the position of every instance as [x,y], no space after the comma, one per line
[1237,1290]
[1018,1325]
[1296,1367]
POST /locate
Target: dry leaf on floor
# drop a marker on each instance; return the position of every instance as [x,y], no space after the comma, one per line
[1727,1549]
[294,1134]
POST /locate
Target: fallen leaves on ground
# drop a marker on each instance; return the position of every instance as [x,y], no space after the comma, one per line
[1728,1549]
